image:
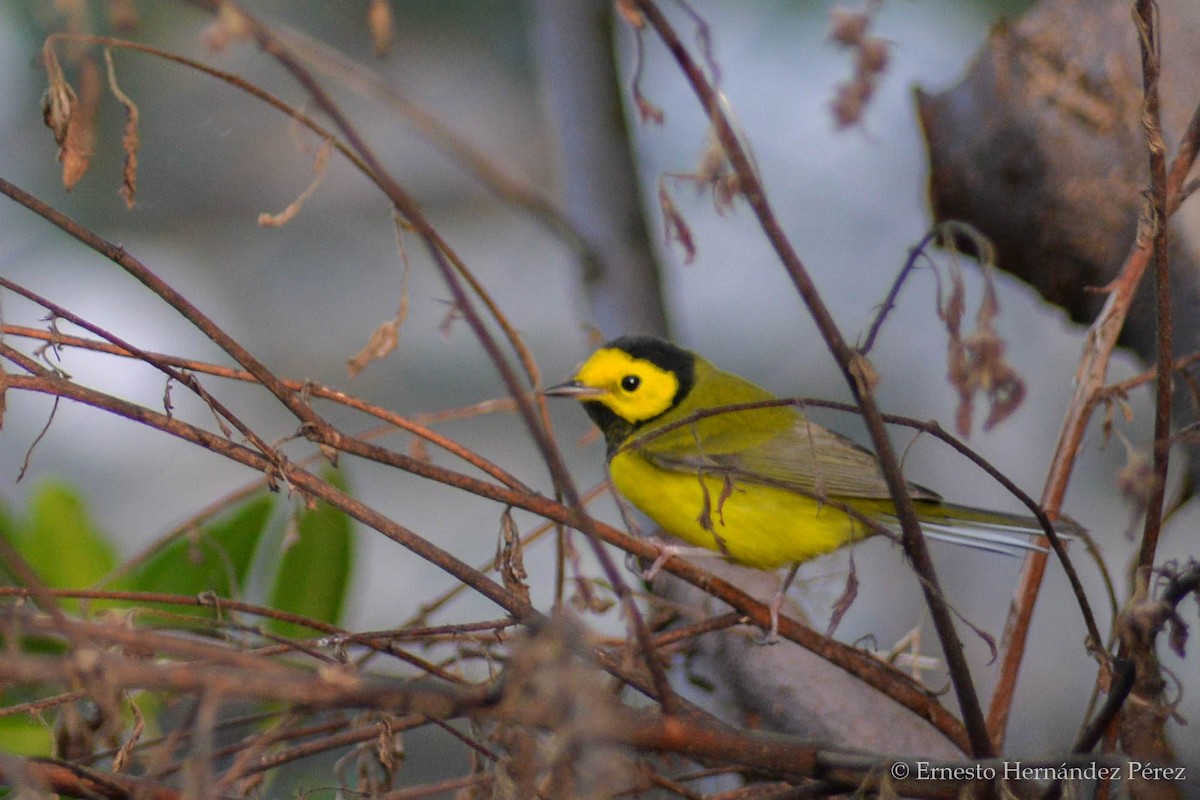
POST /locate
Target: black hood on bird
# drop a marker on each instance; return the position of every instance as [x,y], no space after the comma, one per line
[661,354]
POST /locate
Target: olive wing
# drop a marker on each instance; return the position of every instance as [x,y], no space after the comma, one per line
[806,458]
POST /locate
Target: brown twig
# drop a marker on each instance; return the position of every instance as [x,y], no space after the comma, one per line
[61,777]
[1145,19]
[418,426]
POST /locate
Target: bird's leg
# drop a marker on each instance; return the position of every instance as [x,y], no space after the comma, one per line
[777,603]
[666,551]
[907,653]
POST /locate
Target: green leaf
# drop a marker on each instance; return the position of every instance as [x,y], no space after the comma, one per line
[22,735]
[60,542]
[215,558]
[314,573]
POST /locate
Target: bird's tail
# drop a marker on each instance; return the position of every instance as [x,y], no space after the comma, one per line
[991,531]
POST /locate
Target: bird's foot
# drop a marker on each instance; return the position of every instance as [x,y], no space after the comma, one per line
[666,551]
[774,607]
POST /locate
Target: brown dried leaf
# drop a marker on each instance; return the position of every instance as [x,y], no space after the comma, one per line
[228,25]
[123,16]
[419,450]
[674,225]
[850,101]
[873,56]
[647,111]
[122,759]
[866,378]
[59,100]
[131,142]
[71,117]
[386,337]
[1177,634]
[1136,479]
[631,14]
[976,363]
[320,162]
[849,594]
[510,562]
[847,28]
[381,25]
[383,341]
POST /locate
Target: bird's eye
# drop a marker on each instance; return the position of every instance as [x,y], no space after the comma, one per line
[630,382]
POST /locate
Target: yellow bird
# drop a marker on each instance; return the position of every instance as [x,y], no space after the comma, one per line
[765,487]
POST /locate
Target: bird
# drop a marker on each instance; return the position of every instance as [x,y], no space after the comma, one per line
[763,486]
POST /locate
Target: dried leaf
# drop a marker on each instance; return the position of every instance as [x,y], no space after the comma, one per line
[726,493]
[631,14]
[123,16]
[381,25]
[674,226]
[386,337]
[647,111]
[70,116]
[866,378]
[1136,479]
[873,56]
[849,594]
[1177,634]
[847,28]
[849,102]
[228,25]
[510,562]
[122,758]
[713,170]
[383,341]
[976,363]
[131,141]
[705,516]
[419,450]
[59,100]
[319,164]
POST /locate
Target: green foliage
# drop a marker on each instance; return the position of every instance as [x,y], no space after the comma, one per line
[22,735]
[59,540]
[62,544]
[215,558]
[314,573]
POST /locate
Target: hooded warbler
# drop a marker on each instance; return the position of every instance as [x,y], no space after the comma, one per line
[764,487]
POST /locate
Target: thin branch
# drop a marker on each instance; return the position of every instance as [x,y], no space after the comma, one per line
[417,426]
[64,778]
[1145,19]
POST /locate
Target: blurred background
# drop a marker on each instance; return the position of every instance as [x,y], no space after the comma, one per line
[305,297]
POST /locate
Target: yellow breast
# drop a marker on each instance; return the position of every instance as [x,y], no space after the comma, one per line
[751,524]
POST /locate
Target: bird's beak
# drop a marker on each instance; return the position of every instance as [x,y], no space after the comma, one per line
[573,389]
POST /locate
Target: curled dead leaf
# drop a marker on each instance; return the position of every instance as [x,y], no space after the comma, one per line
[320,162]
[510,559]
[976,363]
[865,376]
[381,24]
[675,227]
[131,141]
[383,340]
